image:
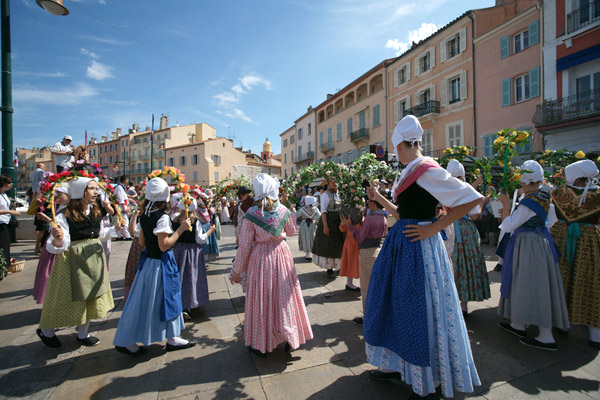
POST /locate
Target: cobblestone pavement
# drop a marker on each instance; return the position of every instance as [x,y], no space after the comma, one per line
[331,366]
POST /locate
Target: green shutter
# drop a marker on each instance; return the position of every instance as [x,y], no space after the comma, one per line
[349,126]
[488,142]
[376,120]
[534,82]
[506,92]
[533,33]
[504,47]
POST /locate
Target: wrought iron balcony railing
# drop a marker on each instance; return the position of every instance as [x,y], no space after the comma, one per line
[568,108]
[429,107]
[327,146]
[361,134]
[583,16]
[309,155]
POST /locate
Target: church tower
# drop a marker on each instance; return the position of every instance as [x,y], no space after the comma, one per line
[266,154]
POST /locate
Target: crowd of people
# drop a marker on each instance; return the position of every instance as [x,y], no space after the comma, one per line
[414,254]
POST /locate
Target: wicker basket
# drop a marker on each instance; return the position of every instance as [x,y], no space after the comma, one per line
[17,266]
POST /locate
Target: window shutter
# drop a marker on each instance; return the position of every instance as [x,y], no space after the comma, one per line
[444,92]
[443,51]
[396,111]
[534,82]
[504,47]
[432,57]
[463,39]
[408,102]
[505,92]
[417,67]
[407,71]
[463,85]
[534,33]
[396,77]
[432,94]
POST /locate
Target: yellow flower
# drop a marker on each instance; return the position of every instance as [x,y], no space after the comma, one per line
[516,177]
[501,163]
[513,144]
[498,140]
[448,150]
[547,152]
[542,162]
[477,171]
[579,155]
[598,159]
[522,136]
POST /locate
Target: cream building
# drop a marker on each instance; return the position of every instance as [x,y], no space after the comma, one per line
[288,151]
[353,118]
[305,139]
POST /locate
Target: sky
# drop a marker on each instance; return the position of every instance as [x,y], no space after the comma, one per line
[247,68]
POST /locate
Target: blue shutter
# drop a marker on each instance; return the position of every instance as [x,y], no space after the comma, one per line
[321,138]
[349,126]
[488,142]
[506,92]
[533,33]
[534,82]
[504,47]
[376,120]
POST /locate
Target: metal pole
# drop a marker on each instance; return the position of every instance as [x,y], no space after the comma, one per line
[7,110]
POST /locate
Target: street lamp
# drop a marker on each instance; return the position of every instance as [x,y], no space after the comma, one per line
[54,7]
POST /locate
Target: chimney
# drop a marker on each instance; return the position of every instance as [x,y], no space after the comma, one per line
[164,122]
[147,127]
[309,109]
[115,135]
[329,95]
[118,131]
[135,127]
[104,139]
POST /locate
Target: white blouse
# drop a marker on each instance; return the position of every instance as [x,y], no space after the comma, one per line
[4,205]
[201,237]
[523,214]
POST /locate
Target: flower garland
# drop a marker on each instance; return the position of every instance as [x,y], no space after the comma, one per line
[180,186]
[556,161]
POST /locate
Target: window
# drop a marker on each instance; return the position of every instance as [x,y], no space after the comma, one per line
[285,157]
[110,147]
[284,142]
[292,139]
[195,176]
[292,155]
[522,88]
[339,131]
[362,120]
[195,159]
[452,47]
[182,160]
[216,176]
[427,142]
[454,136]
[521,41]
[171,162]
[309,130]
[402,75]
[488,144]
[216,159]
[321,138]
[160,164]
[454,90]
[349,124]
[299,153]
[329,138]
[425,96]
[400,107]
[376,116]
[424,63]
[350,156]
[110,158]
[300,134]
[309,143]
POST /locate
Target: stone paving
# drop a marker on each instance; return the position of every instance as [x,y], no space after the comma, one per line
[331,366]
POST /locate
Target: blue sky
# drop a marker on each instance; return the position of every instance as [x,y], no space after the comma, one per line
[248,68]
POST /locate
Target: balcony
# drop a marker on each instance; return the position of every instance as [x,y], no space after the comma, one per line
[309,155]
[327,147]
[434,153]
[359,135]
[144,157]
[429,107]
[584,16]
[570,108]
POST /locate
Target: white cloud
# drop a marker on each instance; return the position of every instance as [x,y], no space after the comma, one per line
[238,114]
[65,96]
[249,81]
[102,40]
[228,100]
[89,53]
[424,31]
[56,74]
[99,71]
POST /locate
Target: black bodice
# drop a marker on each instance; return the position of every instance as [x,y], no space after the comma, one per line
[187,236]
[89,228]
[416,203]
[148,224]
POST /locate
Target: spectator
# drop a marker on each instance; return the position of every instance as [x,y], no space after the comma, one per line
[37,176]
[5,213]
[62,153]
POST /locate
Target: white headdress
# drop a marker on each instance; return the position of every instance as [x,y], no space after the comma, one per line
[407,130]
[582,169]
[157,189]
[456,169]
[536,174]
[63,189]
[265,187]
[191,207]
[309,200]
[77,187]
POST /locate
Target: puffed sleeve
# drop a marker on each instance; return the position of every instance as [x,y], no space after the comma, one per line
[449,191]
[201,236]
[163,225]
[516,219]
[66,242]
[106,233]
[552,218]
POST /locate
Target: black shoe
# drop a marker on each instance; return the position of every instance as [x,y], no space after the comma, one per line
[257,352]
[384,376]
[330,273]
[507,327]
[187,315]
[119,239]
[287,348]
[465,314]
[431,396]
[532,342]
[189,344]
[140,351]
[595,345]
[358,321]
[356,289]
[89,341]
[52,342]
[498,267]
[562,332]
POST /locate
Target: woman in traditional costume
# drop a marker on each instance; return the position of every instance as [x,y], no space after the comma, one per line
[329,240]
[153,311]
[211,247]
[413,326]
[308,216]
[470,272]
[274,311]
[225,219]
[135,253]
[532,291]
[79,286]
[578,239]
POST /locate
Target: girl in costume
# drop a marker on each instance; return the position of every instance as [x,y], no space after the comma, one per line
[349,266]
[532,290]
[413,326]
[225,211]
[470,272]
[153,310]
[329,240]
[578,239]
[211,247]
[61,198]
[79,286]
[135,252]
[308,216]
[190,258]
[275,310]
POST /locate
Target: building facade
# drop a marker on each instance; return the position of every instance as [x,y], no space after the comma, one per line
[305,139]
[288,151]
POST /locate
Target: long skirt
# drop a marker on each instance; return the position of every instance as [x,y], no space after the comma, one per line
[140,321]
[327,250]
[350,264]
[307,235]
[133,259]
[59,308]
[470,271]
[536,295]
[192,270]
[451,361]
[44,269]
[581,275]
[274,310]
[211,246]
[106,245]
